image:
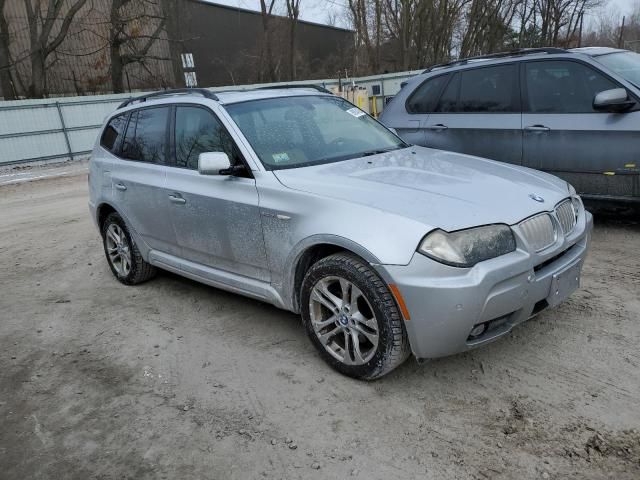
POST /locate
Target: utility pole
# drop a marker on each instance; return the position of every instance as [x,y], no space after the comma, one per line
[620,40]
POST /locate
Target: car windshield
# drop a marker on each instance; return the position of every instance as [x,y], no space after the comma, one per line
[290,132]
[625,64]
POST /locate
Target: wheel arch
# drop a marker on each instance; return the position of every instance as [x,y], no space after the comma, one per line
[102,212]
[315,248]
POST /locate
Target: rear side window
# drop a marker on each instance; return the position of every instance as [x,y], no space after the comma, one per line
[425,97]
[145,140]
[482,90]
[198,130]
[563,87]
[113,132]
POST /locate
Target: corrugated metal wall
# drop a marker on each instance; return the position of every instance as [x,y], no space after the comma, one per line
[64,128]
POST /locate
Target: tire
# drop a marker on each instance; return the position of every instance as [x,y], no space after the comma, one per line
[138,270]
[374,308]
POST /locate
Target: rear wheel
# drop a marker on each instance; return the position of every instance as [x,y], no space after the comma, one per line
[122,254]
[352,318]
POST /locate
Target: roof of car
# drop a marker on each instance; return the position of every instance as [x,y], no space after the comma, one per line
[596,51]
[228,96]
[236,96]
[518,54]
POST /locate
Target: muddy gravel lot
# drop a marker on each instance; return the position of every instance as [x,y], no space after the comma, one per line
[175,380]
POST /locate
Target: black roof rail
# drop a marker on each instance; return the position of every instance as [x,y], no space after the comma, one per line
[511,53]
[176,91]
[310,85]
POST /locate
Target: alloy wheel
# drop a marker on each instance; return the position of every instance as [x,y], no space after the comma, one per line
[118,249]
[343,320]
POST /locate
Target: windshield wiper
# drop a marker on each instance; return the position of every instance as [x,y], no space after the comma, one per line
[368,153]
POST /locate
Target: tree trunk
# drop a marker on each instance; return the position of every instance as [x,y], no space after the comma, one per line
[117,68]
[38,72]
[6,84]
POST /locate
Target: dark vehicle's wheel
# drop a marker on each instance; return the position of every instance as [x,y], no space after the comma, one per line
[352,318]
[123,255]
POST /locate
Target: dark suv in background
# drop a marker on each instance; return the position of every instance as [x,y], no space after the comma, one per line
[574,113]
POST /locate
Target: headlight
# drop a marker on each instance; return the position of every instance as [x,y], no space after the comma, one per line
[465,248]
[575,200]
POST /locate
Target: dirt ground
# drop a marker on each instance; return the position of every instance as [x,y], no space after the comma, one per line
[176,380]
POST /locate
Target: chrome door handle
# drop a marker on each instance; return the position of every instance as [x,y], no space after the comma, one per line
[177,198]
[121,186]
[537,128]
[438,127]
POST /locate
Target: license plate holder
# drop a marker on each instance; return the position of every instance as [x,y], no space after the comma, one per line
[564,283]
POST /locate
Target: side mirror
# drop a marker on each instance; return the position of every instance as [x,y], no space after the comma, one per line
[210,163]
[615,100]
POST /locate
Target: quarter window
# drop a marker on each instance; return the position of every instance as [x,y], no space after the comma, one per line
[563,87]
[425,98]
[113,132]
[198,130]
[482,90]
[145,140]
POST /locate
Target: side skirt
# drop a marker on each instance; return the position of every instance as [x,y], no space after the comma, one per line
[221,279]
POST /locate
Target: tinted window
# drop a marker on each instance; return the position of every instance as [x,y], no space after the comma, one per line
[425,97]
[145,139]
[449,100]
[113,132]
[563,87]
[198,131]
[492,89]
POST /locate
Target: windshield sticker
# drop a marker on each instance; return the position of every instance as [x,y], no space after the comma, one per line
[356,112]
[280,157]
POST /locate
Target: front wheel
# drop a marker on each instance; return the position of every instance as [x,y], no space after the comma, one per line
[352,318]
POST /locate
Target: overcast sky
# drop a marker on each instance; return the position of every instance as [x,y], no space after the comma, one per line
[319,10]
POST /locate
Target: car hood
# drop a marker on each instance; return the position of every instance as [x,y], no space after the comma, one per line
[440,189]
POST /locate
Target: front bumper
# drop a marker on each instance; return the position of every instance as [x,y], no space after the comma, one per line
[446,303]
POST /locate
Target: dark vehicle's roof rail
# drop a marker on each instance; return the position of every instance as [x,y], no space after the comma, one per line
[512,53]
[310,85]
[167,93]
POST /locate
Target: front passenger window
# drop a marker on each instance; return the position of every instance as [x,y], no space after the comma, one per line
[197,131]
[563,87]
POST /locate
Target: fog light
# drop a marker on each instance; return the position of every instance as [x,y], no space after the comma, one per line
[478,330]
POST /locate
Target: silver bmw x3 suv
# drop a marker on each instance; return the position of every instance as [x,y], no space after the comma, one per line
[296,197]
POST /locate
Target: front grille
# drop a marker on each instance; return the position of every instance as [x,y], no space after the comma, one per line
[539,231]
[566,216]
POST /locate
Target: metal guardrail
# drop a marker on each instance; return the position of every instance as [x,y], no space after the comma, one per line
[66,127]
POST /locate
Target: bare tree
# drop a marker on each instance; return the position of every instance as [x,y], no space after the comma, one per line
[42,39]
[267,68]
[129,45]
[6,84]
[293,12]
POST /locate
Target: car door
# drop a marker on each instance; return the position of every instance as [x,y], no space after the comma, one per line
[138,177]
[409,121]
[216,218]
[479,114]
[564,135]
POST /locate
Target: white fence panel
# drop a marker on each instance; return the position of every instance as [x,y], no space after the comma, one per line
[65,127]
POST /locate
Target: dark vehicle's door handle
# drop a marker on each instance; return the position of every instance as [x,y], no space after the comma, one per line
[437,128]
[537,128]
[177,198]
[121,186]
